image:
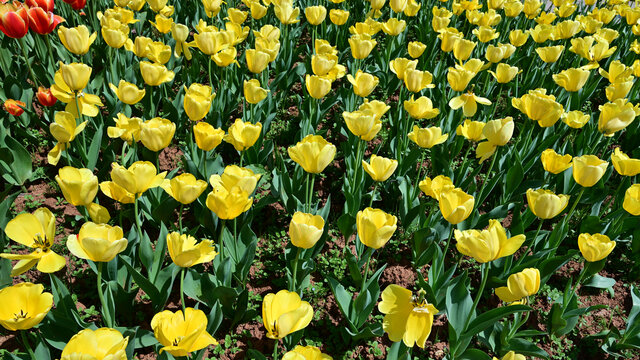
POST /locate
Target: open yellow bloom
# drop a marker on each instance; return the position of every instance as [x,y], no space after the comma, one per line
[127,92]
[505,73]
[286,13]
[407,317]
[554,162]
[539,106]
[284,313]
[155,74]
[197,101]
[380,168]
[128,129]
[236,176]
[253,93]
[76,39]
[182,333]
[363,83]
[427,137]
[185,253]
[242,135]
[394,27]
[455,205]
[24,305]
[468,102]
[361,45]
[207,137]
[163,23]
[228,204]
[398,66]
[616,115]
[37,231]
[317,86]
[184,188]
[315,14]
[545,204]
[99,344]
[518,37]
[338,17]
[313,153]
[520,285]
[64,130]
[305,229]
[471,130]
[485,33]
[157,133]
[625,165]
[422,108]
[448,37]
[97,242]
[489,244]
[136,179]
[631,203]
[79,186]
[588,169]
[416,49]
[363,124]
[575,119]
[434,188]
[550,54]
[595,247]
[572,79]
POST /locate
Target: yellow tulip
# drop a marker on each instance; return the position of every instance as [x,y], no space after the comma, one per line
[363,83]
[64,130]
[618,90]
[24,306]
[539,106]
[400,65]
[616,115]
[448,38]
[305,229]
[286,13]
[284,313]
[416,48]
[236,16]
[242,135]
[185,253]
[117,192]
[375,227]
[462,49]
[485,33]
[76,39]
[163,23]
[212,7]
[455,205]
[228,204]
[225,57]
[417,80]
[588,169]
[157,133]
[408,318]
[128,129]
[180,33]
[317,86]
[434,188]
[505,73]
[459,78]
[184,188]
[471,130]
[631,202]
[97,242]
[257,10]
[362,124]
[520,285]
[136,179]
[235,176]
[99,344]
[380,168]
[207,137]
[488,245]
[545,204]
[313,153]
[127,92]
[394,26]
[513,8]
[79,186]
[181,333]
[338,17]
[315,14]
[567,29]
[253,93]
[595,247]
[499,132]
[572,79]
[518,37]
[494,54]
[554,162]
[427,137]
[158,52]
[361,45]
[511,355]
[155,74]
[197,101]
[75,75]
[211,41]
[468,102]
[575,119]
[115,33]
[439,23]
[550,54]
[141,46]
[625,165]
[307,353]
[422,108]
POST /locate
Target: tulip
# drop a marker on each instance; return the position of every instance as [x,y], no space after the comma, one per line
[427,137]
[75,75]
[361,46]
[76,4]
[616,115]
[127,92]
[595,247]
[518,37]
[363,83]
[24,306]
[462,49]
[41,21]
[284,313]
[14,21]
[588,169]
[631,203]
[117,192]
[182,332]
[103,343]
[257,61]
[412,8]
[45,97]
[253,93]
[212,41]
[207,137]
[513,8]
[471,130]
[128,129]
[14,107]
[36,231]
[212,7]
[554,162]
[417,80]
[138,178]
[400,65]
[338,17]
[505,73]
[315,14]
[434,188]
[64,130]
[157,133]
[488,245]
[459,78]
[380,168]
[115,33]
[572,79]
[313,153]
[155,74]
[618,90]
[286,13]
[416,48]
[185,253]
[550,54]
[394,26]
[495,54]
[180,33]
[468,102]
[46,5]
[422,108]
[235,176]
[163,24]
[398,6]
[625,165]
[448,38]
[520,285]
[305,229]
[228,204]
[184,188]
[545,204]
[307,353]
[485,33]
[197,101]
[158,52]
[79,186]
[575,119]
[97,242]
[511,355]
[242,135]
[362,124]
[270,47]
[455,205]
[539,106]
[408,318]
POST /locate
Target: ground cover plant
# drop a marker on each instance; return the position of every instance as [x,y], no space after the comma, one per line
[311,179]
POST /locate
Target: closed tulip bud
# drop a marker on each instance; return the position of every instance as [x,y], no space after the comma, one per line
[468,102]
[317,86]
[448,38]
[103,343]
[380,168]
[197,101]
[14,21]
[398,6]
[575,119]
[363,83]
[127,92]
[572,79]
[242,135]
[313,153]
[24,306]
[181,333]
[375,227]
[488,245]
[505,73]
[539,106]
[79,186]
[520,285]
[338,17]
[257,61]
[228,204]
[631,203]
[550,54]
[416,48]
[462,49]
[45,97]
[625,165]
[434,188]
[427,137]
[595,247]
[305,229]
[400,65]
[471,130]
[185,253]
[459,78]
[212,7]
[616,115]
[75,75]
[361,45]
[157,133]
[455,205]
[155,74]
[97,242]
[422,108]
[284,313]
[77,39]
[588,169]
[207,137]
[235,176]
[315,14]
[554,162]
[14,107]
[286,13]
[136,179]
[184,188]
[417,80]
[257,10]
[545,204]
[253,93]
[518,37]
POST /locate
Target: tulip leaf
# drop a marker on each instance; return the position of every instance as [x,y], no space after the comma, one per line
[458,302]
[94,149]
[488,318]
[344,300]
[473,354]
[15,162]
[527,348]
[145,284]
[398,351]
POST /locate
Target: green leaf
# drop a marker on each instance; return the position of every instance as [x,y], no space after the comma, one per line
[458,302]
[94,149]
[474,354]
[527,348]
[145,284]
[599,282]
[15,162]
[488,318]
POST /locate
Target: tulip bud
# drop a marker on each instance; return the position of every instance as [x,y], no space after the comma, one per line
[315,14]
[317,86]
[257,61]
[305,229]
[155,74]
[455,205]
[127,92]
[207,137]
[588,169]
[313,153]
[14,21]
[338,17]
[520,285]
[427,137]
[545,204]
[14,107]
[79,186]
[45,97]
[380,168]
[197,101]
[595,247]
[554,162]
[97,242]
[242,135]
[75,75]
[375,227]
[631,203]
[185,253]
[416,49]
[361,45]
[157,133]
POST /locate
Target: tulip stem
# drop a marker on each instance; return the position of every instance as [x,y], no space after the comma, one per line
[484,183]
[184,305]
[531,245]
[584,271]
[180,217]
[295,270]
[51,58]
[419,174]
[366,273]
[446,249]
[574,205]
[137,215]
[483,283]
[220,239]
[373,194]
[356,168]
[25,342]
[306,195]
[107,317]
[275,350]
[26,59]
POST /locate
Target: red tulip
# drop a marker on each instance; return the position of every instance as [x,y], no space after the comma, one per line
[41,21]
[76,4]
[14,107]
[13,20]
[45,97]
[47,5]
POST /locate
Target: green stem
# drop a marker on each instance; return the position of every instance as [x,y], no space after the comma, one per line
[275,350]
[313,182]
[575,204]
[220,239]
[356,168]
[107,318]
[446,248]
[483,283]
[419,174]
[80,119]
[295,270]
[184,305]
[25,342]
[584,271]
[306,194]
[26,60]
[241,158]
[204,156]
[366,273]
[464,162]
[137,215]
[180,217]
[484,183]
[373,194]
[51,58]
[531,245]
[210,77]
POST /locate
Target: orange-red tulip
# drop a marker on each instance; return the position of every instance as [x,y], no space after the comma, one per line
[45,97]
[13,20]
[14,107]
[41,21]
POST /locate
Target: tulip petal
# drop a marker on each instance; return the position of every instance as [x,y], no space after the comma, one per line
[51,262]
